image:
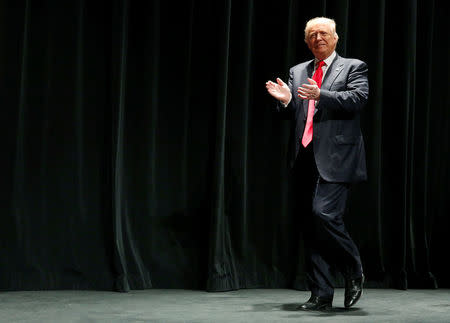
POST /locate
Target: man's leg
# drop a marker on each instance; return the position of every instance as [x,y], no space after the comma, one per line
[333,239]
[317,274]
[334,246]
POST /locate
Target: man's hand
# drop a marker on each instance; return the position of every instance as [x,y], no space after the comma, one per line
[279,91]
[309,91]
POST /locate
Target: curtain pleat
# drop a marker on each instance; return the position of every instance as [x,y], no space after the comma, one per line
[375,166]
[129,267]
[18,200]
[222,274]
[119,189]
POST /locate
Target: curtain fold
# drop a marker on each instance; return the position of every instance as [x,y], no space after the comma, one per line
[375,166]
[119,197]
[129,267]
[222,274]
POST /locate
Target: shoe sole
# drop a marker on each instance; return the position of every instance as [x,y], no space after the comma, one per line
[321,308]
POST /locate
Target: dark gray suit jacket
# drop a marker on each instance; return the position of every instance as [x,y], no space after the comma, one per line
[337,140]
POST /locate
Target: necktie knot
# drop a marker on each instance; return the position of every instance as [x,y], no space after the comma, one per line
[318,74]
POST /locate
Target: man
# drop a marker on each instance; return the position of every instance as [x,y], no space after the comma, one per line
[324,98]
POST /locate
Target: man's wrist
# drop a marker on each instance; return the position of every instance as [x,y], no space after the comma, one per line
[285,104]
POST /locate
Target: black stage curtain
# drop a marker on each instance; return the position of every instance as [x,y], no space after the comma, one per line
[140,150]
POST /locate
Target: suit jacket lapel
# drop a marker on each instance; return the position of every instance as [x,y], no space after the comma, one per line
[332,72]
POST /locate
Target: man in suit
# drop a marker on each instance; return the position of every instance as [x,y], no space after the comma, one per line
[323,98]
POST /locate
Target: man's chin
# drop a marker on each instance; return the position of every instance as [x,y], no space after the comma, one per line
[321,50]
[320,55]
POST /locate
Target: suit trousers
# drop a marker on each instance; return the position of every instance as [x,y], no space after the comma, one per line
[320,206]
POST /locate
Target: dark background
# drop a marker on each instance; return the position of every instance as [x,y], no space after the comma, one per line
[140,149]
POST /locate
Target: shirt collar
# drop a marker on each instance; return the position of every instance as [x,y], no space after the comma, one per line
[327,60]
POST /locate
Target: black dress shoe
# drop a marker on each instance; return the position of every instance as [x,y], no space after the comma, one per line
[353,291]
[316,303]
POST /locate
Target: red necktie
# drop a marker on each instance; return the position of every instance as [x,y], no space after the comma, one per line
[308,133]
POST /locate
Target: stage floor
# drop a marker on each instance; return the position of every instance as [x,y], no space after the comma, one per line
[251,305]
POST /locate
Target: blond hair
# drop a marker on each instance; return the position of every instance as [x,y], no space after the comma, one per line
[320,20]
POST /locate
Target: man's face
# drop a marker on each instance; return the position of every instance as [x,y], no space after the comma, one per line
[321,40]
